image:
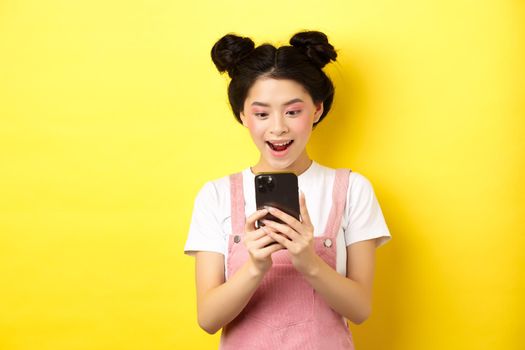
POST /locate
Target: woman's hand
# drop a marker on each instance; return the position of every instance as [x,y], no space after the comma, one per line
[296,236]
[259,244]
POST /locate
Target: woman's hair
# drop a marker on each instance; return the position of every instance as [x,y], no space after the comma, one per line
[302,62]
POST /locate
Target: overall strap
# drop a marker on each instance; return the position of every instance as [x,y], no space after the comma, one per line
[338,202]
[238,217]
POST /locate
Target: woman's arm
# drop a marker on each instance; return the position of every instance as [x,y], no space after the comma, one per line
[351,296]
[219,302]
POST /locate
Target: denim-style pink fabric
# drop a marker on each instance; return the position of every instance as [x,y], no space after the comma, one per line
[285,312]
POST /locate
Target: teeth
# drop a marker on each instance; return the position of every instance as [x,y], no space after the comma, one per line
[282,144]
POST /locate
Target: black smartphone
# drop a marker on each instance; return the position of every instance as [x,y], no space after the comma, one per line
[278,190]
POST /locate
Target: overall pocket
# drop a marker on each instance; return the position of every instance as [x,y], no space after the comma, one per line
[283,298]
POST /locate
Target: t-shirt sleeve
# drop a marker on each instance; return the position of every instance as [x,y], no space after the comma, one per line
[205,232]
[365,219]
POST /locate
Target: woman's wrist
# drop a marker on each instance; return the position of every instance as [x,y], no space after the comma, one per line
[311,270]
[253,270]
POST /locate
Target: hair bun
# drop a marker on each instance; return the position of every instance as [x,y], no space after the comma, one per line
[316,46]
[229,50]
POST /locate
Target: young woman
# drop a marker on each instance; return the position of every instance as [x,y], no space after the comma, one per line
[300,291]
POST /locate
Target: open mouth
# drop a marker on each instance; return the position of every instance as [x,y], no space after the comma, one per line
[279,146]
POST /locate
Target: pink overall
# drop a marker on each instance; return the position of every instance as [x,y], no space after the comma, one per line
[285,312]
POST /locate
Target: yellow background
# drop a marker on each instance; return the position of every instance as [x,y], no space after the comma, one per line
[112,116]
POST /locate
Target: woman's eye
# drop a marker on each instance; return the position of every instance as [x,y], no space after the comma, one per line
[261,115]
[294,113]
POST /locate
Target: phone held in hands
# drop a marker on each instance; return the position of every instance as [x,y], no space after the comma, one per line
[278,190]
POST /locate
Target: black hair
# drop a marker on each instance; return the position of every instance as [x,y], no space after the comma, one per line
[301,61]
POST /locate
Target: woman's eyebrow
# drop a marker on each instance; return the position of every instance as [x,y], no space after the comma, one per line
[256,103]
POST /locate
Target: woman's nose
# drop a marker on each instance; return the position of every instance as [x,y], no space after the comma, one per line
[278,126]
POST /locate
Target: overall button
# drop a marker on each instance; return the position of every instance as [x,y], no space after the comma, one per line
[236,238]
[328,243]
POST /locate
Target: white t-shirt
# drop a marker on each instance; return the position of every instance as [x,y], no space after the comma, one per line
[362,219]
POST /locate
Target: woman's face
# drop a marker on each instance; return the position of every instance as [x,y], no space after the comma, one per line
[280,115]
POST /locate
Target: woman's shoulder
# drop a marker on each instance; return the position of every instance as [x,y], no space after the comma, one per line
[324,170]
[357,182]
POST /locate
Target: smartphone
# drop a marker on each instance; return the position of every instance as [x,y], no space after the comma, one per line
[278,190]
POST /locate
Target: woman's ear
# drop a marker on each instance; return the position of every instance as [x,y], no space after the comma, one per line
[243,119]
[319,108]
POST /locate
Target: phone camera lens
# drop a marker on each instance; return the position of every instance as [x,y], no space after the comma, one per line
[270,183]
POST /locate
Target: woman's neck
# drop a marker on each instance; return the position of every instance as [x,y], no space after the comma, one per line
[298,167]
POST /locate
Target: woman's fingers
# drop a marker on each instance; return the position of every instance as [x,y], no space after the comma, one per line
[258,238]
[288,219]
[262,242]
[284,229]
[272,248]
[280,239]
[250,221]
[254,235]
